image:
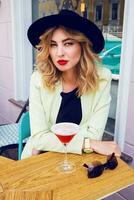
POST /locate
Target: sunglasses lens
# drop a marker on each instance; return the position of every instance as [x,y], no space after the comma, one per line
[95,172]
[112,163]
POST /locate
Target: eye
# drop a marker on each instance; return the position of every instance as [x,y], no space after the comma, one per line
[68,43]
[53,45]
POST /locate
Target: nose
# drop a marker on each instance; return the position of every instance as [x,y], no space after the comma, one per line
[60,51]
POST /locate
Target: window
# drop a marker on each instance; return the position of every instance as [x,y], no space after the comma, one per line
[98,12]
[114,11]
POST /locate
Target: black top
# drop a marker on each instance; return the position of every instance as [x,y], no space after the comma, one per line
[70,108]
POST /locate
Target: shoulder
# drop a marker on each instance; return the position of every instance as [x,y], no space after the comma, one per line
[104,74]
[36,79]
[37,82]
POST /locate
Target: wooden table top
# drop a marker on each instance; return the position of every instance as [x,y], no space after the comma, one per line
[4,161]
[38,174]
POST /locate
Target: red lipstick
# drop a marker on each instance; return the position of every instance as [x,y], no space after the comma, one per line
[62,62]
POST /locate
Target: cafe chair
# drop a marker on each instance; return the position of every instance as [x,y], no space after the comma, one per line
[24,132]
[9,134]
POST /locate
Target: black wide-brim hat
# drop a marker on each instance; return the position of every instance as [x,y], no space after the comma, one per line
[71,20]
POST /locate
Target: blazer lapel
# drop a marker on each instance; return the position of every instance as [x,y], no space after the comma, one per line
[86,103]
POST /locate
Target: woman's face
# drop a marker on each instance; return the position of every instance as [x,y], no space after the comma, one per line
[64,51]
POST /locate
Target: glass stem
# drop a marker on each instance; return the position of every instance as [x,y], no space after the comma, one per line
[65,159]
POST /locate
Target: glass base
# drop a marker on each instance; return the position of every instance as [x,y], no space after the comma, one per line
[66,167]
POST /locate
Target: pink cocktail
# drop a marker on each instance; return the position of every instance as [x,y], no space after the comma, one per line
[65,132]
[65,138]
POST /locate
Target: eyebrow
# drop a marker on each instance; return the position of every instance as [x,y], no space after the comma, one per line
[64,40]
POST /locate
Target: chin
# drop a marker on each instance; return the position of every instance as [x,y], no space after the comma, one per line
[63,68]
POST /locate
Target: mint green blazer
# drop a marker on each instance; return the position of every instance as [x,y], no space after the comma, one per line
[44,106]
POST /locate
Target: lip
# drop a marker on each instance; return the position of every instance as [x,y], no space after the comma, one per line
[62,62]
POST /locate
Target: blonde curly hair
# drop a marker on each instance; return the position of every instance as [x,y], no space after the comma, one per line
[88,79]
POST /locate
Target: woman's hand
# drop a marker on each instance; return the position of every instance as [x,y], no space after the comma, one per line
[105,147]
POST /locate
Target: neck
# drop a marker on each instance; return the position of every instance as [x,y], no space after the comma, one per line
[69,81]
[69,77]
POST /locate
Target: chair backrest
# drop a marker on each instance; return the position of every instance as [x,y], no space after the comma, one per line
[24,131]
[24,109]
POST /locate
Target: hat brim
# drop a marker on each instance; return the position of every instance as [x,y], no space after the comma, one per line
[78,23]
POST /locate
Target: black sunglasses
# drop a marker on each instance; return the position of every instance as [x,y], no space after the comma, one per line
[97,168]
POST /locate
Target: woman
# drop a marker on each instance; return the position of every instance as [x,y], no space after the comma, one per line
[68,86]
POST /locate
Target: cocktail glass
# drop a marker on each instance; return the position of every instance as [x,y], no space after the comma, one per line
[65,131]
